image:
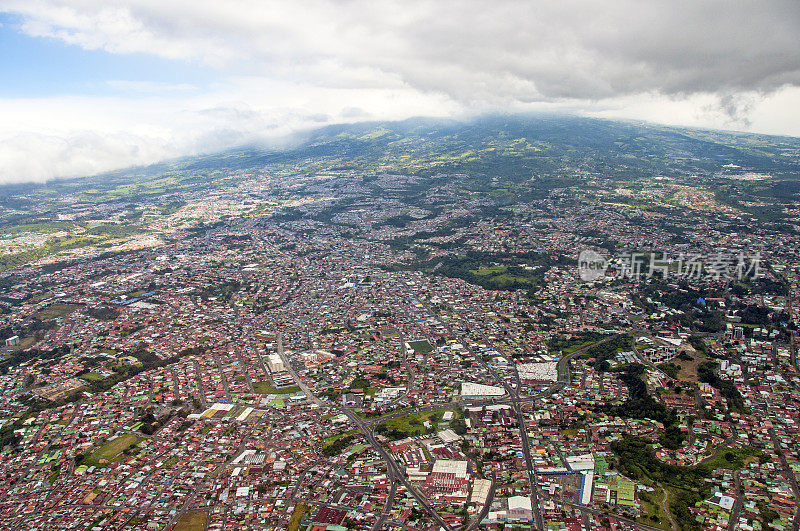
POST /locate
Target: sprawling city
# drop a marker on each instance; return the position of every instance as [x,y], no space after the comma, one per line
[419,265]
[326,344]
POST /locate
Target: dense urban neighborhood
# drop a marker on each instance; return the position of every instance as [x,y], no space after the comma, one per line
[305,344]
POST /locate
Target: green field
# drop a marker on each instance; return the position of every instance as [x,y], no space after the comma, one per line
[115,447]
[731,459]
[485,271]
[327,441]
[26,342]
[501,277]
[651,506]
[413,424]
[568,346]
[421,346]
[266,388]
[54,311]
[91,376]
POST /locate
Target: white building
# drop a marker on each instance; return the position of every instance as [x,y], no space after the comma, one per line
[451,466]
[546,371]
[585,465]
[520,508]
[476,390]
[275,363]
[480,491]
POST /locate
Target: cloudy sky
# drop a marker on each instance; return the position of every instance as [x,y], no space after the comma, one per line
[92,85]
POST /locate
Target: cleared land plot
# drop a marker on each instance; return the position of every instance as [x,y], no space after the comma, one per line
[192,521]
[25,342]
[59,390]
[327,441]
[688,368]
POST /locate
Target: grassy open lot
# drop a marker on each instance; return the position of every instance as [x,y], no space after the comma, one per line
[652,506]
[568,346]
[299,510]
[327,441]
[688,371]
[684,366]
[336,444]
[114,447]
[91,377]
[489,270]
[732,458]
[502,276]
[55,310]
[266,388]
[26,342]
[192,521]
[413,424]
[421,347]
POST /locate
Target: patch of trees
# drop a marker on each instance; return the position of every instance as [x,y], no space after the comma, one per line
[636,460]
[459,426]
[223,291]
[288,214]
[151,424]
[699,345]
[640,405]
[202,229]
[391,432]
[770,286]
[171,207]
[399,221]
[685,298]
[7,435]
[562,343]
[18,357]
[767,515]
[670,369]
[359,383]
[605,351]
[706,372]
[514,269]
[385,377]
[755,315]
[102,313]
[337,446]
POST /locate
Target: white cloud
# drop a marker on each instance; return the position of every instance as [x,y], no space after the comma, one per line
[44,138]
[472,51]
[149,87]
[285,65]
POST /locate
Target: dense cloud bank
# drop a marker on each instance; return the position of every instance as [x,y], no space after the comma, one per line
[329,61]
